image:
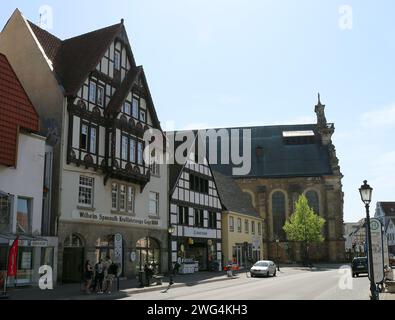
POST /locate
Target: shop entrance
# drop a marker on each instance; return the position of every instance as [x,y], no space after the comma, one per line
[198,252]
[73,259]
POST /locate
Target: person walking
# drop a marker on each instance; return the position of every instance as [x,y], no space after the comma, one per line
[109,274]
[99,276]
[88,274]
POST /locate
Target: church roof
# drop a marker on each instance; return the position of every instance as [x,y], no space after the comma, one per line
[280,151]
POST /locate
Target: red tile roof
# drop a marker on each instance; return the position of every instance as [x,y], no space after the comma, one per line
[16,111]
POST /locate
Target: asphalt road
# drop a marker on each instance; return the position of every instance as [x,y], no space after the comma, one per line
[289,284]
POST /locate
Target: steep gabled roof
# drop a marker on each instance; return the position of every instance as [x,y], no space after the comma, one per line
[80,55]
[73,59]
[388,208]
[232,197]
[16,112]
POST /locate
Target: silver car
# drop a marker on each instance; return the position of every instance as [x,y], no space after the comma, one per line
[264,268]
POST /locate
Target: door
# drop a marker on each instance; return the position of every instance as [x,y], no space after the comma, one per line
[73,264]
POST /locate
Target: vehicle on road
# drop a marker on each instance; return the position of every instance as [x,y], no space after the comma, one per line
[359,265]
[264,268]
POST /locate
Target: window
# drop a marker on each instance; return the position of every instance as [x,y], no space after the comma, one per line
[130,201]
[212,220]
[199,218]
[23,216]
[239,225]
[5,213]
[85,193]
[253,227]
[246,226]
[92,92]
[135,108]
[154,169]
[124,148]
[84,137]
[183,216]
[92,143]
[313,200]
[140,153]
[114,196]
[259,229]
[122,198]
[198,184]
[143,116]
[132,150]
[127,107]
[88,138]
[278,211]
[117,60]
[100,96]
[154,203]
[231,224]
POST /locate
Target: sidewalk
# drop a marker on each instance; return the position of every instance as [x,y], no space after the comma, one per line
[127,288]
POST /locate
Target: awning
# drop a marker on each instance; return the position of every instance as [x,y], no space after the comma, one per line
[24,240]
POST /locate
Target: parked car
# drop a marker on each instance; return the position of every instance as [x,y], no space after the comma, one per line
[359,265]
[263,268]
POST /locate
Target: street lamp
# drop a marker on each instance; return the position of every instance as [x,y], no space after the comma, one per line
[366,196]
[170,230]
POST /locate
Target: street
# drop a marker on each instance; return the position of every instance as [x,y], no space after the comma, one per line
[290,284]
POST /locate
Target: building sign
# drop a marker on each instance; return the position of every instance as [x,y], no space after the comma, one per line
[256,243]
[26,260]
[118,248]
[114,219]
[200,233]
[39,243]
[377,250]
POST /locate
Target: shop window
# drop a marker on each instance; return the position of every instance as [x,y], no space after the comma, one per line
[23,216]
[148,253]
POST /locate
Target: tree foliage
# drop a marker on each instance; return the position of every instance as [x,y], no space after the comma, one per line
[304,225]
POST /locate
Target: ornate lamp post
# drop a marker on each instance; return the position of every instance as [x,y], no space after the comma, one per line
[170,230]
[366,196]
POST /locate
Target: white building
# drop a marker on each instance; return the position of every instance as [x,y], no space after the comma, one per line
[22,162]
[96,108]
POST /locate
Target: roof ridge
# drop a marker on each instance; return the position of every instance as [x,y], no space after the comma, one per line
[93,31]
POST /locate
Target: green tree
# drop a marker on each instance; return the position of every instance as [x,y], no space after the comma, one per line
[304,226]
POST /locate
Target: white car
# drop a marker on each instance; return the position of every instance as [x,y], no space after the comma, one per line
[264,268]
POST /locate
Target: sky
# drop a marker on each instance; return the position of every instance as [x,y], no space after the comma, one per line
[218,63]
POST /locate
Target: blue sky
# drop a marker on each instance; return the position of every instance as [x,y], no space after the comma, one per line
[243,62]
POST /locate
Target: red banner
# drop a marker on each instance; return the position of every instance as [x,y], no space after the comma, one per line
[12,258]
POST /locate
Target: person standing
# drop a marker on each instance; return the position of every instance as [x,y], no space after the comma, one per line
[109,274]
[88,276]
[99,276]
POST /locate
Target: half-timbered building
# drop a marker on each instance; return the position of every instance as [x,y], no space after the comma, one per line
[95,106]
[195,214]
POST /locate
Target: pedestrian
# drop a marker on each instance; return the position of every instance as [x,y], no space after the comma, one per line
[176,268]
[88,274]
[148,274]
[110,271]
[99,276]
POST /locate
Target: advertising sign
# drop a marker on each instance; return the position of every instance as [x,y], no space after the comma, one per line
[118,249]
[377,250]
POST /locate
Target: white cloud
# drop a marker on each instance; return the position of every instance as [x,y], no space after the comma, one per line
[379,118]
